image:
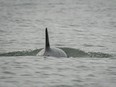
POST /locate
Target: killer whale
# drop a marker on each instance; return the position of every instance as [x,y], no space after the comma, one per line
[50,51]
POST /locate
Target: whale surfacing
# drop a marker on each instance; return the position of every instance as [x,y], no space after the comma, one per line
[48,51]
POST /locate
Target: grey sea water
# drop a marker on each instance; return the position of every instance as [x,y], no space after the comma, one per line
[85,29]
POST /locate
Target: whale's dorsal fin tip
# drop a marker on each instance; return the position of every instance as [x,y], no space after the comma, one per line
[47,44]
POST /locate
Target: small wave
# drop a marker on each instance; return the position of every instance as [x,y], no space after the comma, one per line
[8,72]
[79,53]
[71,52]
[21,53]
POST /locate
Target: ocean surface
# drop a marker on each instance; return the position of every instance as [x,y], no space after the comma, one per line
[84,29]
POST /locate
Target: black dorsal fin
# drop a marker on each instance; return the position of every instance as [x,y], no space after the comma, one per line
[47,45]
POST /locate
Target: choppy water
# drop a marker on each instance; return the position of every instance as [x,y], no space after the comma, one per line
[55,72]
[84,29]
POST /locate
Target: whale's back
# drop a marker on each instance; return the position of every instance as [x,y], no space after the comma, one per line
[48,51]
[55,52]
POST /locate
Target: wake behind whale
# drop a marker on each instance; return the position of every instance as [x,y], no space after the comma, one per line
[49,51]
